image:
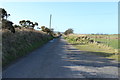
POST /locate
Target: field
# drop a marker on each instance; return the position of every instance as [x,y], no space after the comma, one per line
[110,40]
[103,45]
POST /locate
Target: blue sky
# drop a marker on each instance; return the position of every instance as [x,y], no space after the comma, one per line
[82,17]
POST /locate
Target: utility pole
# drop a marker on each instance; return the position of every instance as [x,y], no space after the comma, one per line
[50,21]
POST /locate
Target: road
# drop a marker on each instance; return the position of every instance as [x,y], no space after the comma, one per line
[58,59]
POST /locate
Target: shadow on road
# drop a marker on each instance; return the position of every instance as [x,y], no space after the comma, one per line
[90,65]
[58,60]
[88,58]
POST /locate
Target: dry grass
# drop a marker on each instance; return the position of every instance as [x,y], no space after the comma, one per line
[18,44]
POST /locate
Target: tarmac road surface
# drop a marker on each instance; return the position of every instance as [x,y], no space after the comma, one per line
[58,59]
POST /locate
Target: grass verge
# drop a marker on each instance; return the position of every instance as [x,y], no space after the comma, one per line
[95,48]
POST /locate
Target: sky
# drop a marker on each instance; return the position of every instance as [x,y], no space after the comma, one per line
[82,17]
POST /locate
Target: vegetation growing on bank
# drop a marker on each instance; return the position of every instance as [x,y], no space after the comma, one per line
[87,42]
[18,40]
[20,43]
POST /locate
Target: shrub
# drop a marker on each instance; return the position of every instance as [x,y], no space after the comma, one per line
[69,31]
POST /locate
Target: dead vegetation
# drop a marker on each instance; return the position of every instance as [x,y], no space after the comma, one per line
[23,41]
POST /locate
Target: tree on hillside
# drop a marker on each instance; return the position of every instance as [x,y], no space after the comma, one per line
[35,24]
[47,30]
[22,23]
[6,24]
[17,26]
[69,31]
[4,13]
[43,28]
[31,24]
[28,24]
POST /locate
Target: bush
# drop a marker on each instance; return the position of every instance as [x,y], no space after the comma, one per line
[8,25]
[69,31]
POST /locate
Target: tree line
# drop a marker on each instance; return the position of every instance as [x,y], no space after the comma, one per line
[6,24]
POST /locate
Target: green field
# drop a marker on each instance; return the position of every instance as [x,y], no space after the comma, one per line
[108,46]
[110,40]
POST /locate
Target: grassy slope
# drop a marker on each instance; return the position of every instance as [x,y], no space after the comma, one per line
[97,49]
[21,43]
